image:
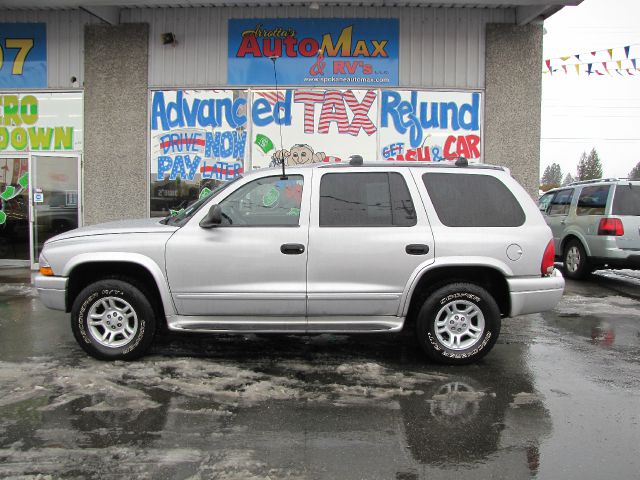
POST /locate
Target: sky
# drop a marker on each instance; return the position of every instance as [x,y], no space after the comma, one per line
[581,112]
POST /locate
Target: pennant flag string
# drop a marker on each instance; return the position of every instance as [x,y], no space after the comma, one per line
[591,67]
[592,70]
[594,53]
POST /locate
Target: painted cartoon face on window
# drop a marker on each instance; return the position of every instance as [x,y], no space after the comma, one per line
[298,154]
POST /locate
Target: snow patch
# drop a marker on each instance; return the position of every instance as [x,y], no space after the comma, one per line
[523,399]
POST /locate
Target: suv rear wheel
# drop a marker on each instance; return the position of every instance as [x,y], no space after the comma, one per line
[113,320]
[575,261]
[458,324]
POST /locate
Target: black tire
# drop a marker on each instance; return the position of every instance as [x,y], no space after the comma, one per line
[479,328]
[575,261]
[121,297]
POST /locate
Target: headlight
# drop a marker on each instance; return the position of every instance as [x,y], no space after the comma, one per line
[45,268]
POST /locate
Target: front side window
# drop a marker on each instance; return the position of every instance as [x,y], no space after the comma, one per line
[376,199]
[561,202]
[593,200]
[266,202]
[545,201]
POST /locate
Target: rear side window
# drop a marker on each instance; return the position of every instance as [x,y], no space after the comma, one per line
[626,200]
[593,200]
[561,202]
[365,200]
[464,200]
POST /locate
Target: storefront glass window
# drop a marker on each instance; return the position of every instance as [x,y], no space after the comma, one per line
[14,210]
[198,140]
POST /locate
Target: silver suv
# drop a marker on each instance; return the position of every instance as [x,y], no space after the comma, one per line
[595,224]
[445,249]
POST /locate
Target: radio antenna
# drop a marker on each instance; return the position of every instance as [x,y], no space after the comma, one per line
[275,76]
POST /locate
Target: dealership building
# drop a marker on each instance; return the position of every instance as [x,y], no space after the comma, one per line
[124,109]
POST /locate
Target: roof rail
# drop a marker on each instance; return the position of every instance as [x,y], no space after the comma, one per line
[597,180]
[436,165]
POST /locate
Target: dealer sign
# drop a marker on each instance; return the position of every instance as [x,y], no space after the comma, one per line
[313,52]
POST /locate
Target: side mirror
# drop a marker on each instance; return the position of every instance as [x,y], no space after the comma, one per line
[213,218]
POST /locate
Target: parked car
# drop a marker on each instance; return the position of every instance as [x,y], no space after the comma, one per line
[445,249]
[595,224]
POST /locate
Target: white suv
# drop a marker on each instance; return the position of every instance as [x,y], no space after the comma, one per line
[595,224]
[445,249]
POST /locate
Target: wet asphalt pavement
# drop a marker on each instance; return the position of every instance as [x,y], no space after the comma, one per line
[558,397]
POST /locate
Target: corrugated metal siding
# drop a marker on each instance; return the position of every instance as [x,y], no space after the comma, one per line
[439,47]
[65,41]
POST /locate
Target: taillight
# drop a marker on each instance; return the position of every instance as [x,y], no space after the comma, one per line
[549,257]
[611,226]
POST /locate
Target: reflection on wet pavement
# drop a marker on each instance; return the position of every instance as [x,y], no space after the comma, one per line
[327,406]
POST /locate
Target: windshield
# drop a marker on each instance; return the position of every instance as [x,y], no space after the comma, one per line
[179,218]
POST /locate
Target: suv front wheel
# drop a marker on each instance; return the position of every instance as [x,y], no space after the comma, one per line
[112,319]
[575,261]
[458,324]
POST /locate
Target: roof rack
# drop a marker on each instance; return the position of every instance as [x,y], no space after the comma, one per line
[436,165]
[597,180]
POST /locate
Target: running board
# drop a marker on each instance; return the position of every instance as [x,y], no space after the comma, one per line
[233,324]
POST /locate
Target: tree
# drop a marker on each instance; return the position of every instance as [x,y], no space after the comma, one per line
[552,177]
[634,174]
[589,166]
[568,179]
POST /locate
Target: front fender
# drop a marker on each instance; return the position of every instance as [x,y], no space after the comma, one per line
[136,258]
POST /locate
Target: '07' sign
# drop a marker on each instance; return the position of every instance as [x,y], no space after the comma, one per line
[23,55]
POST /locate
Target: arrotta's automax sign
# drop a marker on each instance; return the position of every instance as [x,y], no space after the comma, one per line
[313,52]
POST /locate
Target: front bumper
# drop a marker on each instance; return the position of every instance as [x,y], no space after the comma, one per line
[535,294]
[52,291]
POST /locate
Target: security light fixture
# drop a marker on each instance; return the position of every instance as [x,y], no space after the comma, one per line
[314,6]
[168,38]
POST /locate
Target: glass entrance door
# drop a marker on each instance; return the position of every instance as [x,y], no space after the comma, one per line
[14,210]
[54,198]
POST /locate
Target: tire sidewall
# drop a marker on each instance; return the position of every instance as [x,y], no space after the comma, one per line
[583,268]
[127,292]
[427,322]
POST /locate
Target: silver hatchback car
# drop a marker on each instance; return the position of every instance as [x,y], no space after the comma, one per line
[595,224]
